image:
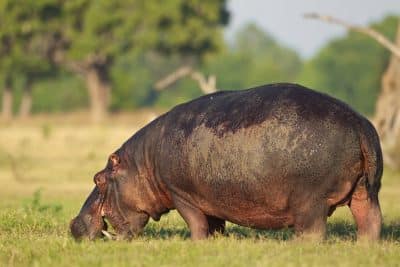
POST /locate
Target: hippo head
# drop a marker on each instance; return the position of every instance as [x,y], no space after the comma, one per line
[114,200]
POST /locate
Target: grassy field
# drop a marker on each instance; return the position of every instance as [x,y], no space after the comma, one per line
[46,170]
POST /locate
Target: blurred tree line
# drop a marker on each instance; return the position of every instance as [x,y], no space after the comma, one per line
[48,42]
[58,55]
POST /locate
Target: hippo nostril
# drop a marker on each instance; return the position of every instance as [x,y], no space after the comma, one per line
[78,227]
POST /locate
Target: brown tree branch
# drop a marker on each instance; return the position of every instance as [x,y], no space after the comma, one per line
[173,77]
[207,85]
[377,36]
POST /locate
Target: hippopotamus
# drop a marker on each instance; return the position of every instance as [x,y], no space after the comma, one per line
[271,157]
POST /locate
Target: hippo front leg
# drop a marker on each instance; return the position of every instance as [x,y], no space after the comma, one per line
[194,218]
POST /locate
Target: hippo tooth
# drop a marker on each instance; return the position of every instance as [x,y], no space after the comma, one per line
[107,234]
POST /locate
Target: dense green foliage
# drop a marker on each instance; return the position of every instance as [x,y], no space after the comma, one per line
[87,37]
[254,58]
[104,30]
[351,67]
[135,43]
[27,29]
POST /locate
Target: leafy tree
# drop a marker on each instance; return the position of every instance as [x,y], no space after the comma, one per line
[28,37]
[351,67]
[269,61]
[255,58]
[132,80]
[98,32]
[59,93]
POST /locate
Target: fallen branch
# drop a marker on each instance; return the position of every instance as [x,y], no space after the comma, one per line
[377,36]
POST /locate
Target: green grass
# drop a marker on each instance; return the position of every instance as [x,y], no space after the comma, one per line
[46,173]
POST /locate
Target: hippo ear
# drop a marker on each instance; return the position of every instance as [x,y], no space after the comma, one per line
[114,160]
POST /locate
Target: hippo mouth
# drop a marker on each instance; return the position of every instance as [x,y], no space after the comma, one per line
[126,230]
[87,226]
[120,233]
[108,235]
[105,232]
[104,208]
[92,221]
[96,224]
[113,214]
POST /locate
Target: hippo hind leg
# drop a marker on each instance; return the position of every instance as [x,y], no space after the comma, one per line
[366,212]
[310,221]
[215,225]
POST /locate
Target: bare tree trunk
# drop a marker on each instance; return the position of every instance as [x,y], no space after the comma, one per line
[387,113]
[99,92]
[26,101]
[7,103]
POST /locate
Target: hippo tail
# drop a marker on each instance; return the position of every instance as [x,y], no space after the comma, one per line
[371,157]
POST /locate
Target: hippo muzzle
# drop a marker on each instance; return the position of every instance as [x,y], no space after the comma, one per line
[105,203]
[89,222]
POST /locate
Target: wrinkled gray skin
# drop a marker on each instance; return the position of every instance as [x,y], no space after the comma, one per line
[274,156]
